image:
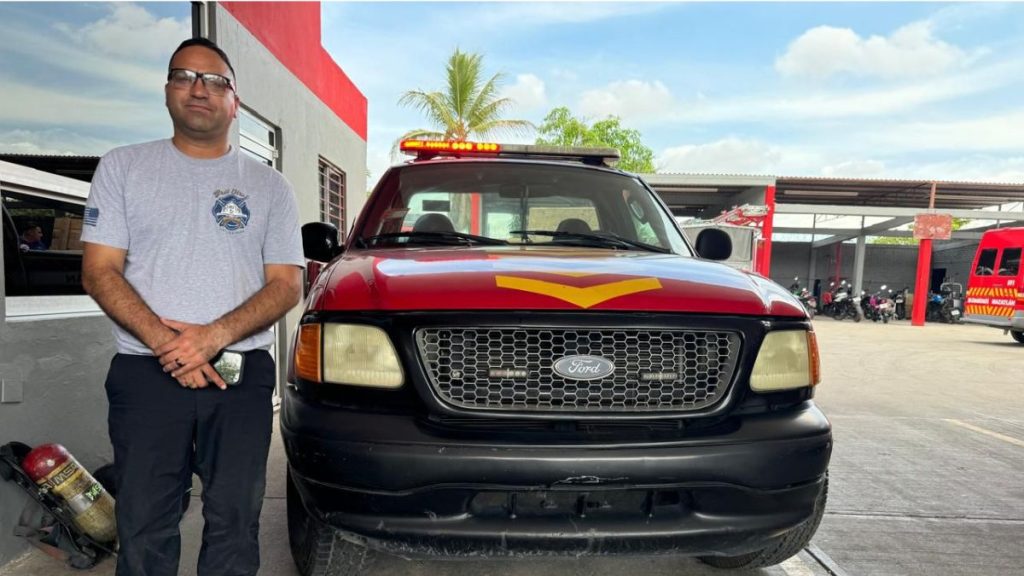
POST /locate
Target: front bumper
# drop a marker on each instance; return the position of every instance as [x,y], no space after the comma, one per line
[394,484]
[1014,322]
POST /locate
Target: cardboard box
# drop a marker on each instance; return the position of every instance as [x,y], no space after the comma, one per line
[74,235]
[59,238]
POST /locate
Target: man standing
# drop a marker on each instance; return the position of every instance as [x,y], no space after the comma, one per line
[191,248]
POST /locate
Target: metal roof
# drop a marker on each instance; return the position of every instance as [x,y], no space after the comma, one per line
[703,194]
[77,167]
[894,193]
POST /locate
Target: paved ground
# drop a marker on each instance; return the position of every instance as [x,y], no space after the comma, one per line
[926,473]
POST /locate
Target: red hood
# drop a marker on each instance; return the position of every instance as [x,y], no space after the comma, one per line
[543,278]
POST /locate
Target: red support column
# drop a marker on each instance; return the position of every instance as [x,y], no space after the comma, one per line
[474,216]
[924,274]
[921,286]
[765,266]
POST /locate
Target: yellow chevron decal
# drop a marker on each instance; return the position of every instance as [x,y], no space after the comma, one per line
[582,297]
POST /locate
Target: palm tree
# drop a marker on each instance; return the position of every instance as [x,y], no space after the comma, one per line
[468,107]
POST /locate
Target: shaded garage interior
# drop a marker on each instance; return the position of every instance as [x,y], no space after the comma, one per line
[827,229]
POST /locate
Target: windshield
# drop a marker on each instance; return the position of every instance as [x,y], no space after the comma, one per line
[517,203]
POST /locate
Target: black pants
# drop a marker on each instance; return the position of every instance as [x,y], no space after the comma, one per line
[160,430]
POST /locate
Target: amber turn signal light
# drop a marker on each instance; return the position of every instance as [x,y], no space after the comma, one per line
[307,353]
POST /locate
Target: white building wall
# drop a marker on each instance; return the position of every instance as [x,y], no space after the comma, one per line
[308,128]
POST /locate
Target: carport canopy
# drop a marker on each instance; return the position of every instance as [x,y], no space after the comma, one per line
[833,210]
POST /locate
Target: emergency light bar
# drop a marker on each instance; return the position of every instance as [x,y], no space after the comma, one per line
[419,146]
[426,149]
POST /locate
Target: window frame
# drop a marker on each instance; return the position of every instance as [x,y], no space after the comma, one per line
[1002,261]
[325,169]
[981,256]
[15,179]
[267,152]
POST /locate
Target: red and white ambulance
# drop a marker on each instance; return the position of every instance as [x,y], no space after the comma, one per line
[995,290]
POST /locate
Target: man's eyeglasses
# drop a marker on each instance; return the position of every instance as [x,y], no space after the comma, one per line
[183,79]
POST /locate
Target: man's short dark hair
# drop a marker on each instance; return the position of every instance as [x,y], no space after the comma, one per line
[29,226]
[205,43]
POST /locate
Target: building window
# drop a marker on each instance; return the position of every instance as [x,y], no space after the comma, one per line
[257,138]
[42,246]
[332,196]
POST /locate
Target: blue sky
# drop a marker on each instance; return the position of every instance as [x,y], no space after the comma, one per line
[840,89]
[82,78]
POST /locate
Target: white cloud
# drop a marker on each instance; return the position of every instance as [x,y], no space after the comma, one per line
[727,156]
[965,168]
[999,132]
[33,105]
[910,51]
[114,62]
[629,100]
[52,141]
[969,168]
[533,15]
[528,92]
[833,105]
[856,169]
[130,31]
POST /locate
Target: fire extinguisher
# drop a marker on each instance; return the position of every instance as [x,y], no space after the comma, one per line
[55,470]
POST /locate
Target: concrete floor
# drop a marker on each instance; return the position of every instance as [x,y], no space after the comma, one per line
[926,475]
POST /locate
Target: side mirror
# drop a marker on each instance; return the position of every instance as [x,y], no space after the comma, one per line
[714,244]
[320,241]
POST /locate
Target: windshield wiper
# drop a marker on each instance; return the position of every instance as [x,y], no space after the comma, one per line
[595,239]
[444,237]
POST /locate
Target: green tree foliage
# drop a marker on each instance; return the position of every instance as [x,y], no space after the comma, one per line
[561,128]
[910,240]
[468,106]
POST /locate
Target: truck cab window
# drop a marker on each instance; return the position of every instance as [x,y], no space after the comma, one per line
[42,246]
[986,262]
[1010,263]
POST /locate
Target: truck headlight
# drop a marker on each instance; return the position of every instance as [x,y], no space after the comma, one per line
[353,354]
[788,359]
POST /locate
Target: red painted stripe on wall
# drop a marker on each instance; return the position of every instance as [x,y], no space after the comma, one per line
[291,31]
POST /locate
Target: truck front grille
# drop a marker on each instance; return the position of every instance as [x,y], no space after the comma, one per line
[512,368]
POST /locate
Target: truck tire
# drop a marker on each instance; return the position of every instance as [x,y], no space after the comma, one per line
[790,544]
[1017,335]
[316,549]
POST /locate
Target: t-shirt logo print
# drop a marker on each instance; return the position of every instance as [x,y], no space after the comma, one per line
[230,210]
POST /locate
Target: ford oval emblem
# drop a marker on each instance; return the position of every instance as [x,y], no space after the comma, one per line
[583,367]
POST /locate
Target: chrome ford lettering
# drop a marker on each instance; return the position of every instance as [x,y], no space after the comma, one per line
[583,367]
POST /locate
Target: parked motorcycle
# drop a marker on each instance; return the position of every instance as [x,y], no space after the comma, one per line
[886,305]
[845,304]
[953,302]
[806,298]
[900,304]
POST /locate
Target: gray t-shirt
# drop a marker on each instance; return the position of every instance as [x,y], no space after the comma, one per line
[197,232]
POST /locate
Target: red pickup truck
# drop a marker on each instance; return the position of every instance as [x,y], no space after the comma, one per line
[516,351]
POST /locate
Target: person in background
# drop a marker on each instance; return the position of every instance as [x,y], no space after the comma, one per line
[31,238]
